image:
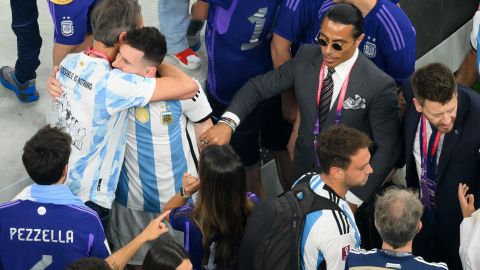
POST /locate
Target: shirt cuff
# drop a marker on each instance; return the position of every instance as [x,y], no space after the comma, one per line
[474,33]
[351,198]
[232,116]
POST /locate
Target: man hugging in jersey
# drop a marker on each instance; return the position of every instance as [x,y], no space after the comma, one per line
[93,101]
[159,144]
[46,225]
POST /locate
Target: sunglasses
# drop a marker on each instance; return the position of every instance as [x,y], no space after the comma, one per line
[337,46]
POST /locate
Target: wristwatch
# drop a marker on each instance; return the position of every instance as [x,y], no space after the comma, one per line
[184,194]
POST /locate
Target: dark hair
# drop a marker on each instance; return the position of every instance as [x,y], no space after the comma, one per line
[89,263]
[434,82]
[222,207]
[346,13]
[46,154]
[337,145]
[150,41]
[165,255]
[112,17]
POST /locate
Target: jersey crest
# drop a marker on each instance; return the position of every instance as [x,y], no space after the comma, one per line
[370,49]
[66,26]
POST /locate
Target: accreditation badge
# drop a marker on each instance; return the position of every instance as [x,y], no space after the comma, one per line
[61,2]
[166,118]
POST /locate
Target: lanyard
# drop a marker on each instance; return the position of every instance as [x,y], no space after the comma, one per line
[91,51]
[341,98]
[424,155]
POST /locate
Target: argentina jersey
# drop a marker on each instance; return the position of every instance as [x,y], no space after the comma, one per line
[378,259]
[328,235]
[299,20]
[161,147]
[237,39]
[93,110]
[47,235]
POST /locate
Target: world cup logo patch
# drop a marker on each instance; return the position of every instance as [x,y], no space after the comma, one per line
[66,26]
[345,251]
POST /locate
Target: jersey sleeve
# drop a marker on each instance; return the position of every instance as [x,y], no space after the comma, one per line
[291,20]
[99,247]
[125,90]
[180,216]
[335,250]
[197,109]
[399,49]
[325,241]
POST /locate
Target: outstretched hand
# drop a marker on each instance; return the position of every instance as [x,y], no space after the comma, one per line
[155,228]
[466,201]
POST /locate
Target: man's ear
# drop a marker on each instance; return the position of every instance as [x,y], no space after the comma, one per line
[359,40]
[418,107]
[337,172]
[419,226]
[121,37]
[151,72]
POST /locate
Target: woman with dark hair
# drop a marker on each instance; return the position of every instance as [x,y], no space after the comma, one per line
[166,255]
[214,224]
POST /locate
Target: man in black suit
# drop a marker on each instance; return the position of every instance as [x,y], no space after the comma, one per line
[441,146]
[369,102]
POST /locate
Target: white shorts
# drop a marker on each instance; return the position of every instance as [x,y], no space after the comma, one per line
[125,224]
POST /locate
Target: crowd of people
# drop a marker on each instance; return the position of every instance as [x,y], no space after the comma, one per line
[143,168]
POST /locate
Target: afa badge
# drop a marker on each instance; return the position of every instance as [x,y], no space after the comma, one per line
[142,115]
[370,49]
[66,26]
[166,118]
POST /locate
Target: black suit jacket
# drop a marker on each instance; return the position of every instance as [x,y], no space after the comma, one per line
[459,163]
[379,119]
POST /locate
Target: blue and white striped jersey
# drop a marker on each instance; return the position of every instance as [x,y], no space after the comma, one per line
[359,259]
[47,227]
[328,235]
[161,147]
[92,109]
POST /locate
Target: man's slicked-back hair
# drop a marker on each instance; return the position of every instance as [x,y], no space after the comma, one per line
[150,41]
[397,215]
[337,145]
[111,17]
[346,13]
[434,82]
[46,154]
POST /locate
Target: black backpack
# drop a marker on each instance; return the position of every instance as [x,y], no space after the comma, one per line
[271,238]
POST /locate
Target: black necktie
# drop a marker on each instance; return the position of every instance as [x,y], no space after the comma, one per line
[326,96]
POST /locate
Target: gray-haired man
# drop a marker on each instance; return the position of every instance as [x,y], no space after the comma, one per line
[397,219]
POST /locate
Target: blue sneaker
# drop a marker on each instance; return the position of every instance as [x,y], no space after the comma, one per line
[25,92]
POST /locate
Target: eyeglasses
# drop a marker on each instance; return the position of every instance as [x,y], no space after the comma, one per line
[337,46]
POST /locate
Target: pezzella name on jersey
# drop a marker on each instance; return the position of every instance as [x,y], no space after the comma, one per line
[41,235]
